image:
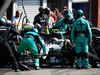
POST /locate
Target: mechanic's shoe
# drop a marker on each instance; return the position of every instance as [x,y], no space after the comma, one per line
[23,67]
[17,70]
[87,67]
[37,68]
[27,69]
[79,67]
[98,65]
[73,66]
[63,66]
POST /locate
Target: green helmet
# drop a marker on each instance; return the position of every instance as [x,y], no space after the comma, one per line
[2,21]
[79,13]
[34,30]
[65,12]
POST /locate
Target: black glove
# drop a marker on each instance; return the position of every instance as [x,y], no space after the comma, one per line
[19,54]
[44,54]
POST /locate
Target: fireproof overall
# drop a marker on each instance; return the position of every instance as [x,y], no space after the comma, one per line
[61,25]
[29,41]
[80,34]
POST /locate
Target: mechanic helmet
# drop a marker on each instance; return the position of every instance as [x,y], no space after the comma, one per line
[47,10]
[79,13]
[67,42]
[65,12]
[2,21]
[68,16]
[41,9]
[34,30]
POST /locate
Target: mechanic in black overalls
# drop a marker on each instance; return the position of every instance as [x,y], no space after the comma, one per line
[13,41]
[42,20]
[69,54]
[5,50]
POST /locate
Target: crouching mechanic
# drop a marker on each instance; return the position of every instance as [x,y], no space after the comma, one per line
[80,35]
[29,40]
[68,53]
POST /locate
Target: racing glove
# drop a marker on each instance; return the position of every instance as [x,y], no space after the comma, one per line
[47,30]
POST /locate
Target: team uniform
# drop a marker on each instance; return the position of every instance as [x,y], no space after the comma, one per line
[81,34]
[29,40]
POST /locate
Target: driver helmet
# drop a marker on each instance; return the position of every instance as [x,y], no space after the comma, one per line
[28,25]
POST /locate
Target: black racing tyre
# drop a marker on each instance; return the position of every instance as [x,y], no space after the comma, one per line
[95,31]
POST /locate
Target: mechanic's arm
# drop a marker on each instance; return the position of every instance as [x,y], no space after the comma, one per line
[12,25]
[57,24]
[47,29]
[43,44]
[47,26]
[89,33]
[36,20]
[14,31]
[72,34]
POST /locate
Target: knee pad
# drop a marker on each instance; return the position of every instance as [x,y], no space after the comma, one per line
[85,55]
[79,55]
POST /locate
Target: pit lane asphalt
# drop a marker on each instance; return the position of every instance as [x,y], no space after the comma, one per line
[52,71]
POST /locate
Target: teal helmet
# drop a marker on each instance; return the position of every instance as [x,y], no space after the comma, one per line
[2,21]
[68,16]
[65,12]
[79,13]
[34,30]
